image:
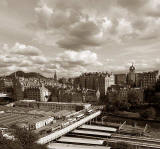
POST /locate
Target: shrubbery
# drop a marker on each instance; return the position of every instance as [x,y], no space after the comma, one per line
[24,139]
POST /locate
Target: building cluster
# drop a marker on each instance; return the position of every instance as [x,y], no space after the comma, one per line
[32,89]
[95,81]
[47,89]
[88,87]
[122,94]
[52,105]
[41,117]
[141,80]
[122,84]
[6,85]
[75,95]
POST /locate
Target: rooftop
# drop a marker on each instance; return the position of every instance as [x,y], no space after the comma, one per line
[73,146]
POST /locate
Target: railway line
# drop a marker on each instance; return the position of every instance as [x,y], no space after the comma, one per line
[139,139]
[136,143]
[134,140]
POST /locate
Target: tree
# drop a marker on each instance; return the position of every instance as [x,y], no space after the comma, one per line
[23,139]
[122,145]
[133,97]
[8,144]
[149,113]
[124,106]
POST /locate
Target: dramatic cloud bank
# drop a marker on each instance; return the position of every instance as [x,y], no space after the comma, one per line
[74,36]
[29,58]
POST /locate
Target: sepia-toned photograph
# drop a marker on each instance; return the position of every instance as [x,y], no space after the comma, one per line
[79,74]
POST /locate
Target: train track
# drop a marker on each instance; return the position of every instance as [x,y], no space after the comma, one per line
[136,138]
[142,144]
[139,141]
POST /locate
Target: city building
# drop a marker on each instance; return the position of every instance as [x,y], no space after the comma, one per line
[134,79]
[121,79]
[96,81]
[37,93]
[122,94]
[149,79]
[92,96]
[5,85]
[18,90]
[131,77]
[53,105]
[38,123]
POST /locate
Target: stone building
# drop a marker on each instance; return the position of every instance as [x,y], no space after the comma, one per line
[121,79]
[18,90]
[131,77]
[122,93]
[96,80]
[37,93]
[53,105]
[149,79]
[5,85]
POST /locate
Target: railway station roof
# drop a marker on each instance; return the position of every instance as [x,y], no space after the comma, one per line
[81,140]
[88,132]
[102,128]
[73,146]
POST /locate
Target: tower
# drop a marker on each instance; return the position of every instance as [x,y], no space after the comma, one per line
[131,76]
[55,76]
[132,68]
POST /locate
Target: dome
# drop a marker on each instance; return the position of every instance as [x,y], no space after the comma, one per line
[132,68]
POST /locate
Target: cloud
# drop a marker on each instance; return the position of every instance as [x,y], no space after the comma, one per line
[43,14]
[22,49]
[71,59]
[152,8]
[112,29]
[38,59]
[131,5]
[3,4]
[82,35]
[69,27]
[79,26]
[67,62]
[21,57]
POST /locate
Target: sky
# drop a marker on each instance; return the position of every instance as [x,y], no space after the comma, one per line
[76,36]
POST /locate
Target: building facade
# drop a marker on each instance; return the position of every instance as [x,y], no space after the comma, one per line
[131,77]
[149,79]
[37,93]
[121,79]
[96,81]
[53,105]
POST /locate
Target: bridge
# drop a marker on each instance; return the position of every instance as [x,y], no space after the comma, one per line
[96,132]
[57,134]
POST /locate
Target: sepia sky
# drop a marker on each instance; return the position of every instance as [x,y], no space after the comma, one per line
[76,36]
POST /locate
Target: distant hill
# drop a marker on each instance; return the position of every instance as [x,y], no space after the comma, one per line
[26,74]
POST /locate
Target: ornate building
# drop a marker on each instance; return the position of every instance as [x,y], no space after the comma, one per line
[131,77]
[96,81]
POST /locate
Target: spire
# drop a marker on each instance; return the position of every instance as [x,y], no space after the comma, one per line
[55,76]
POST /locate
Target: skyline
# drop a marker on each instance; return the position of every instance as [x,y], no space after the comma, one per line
[74,37]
